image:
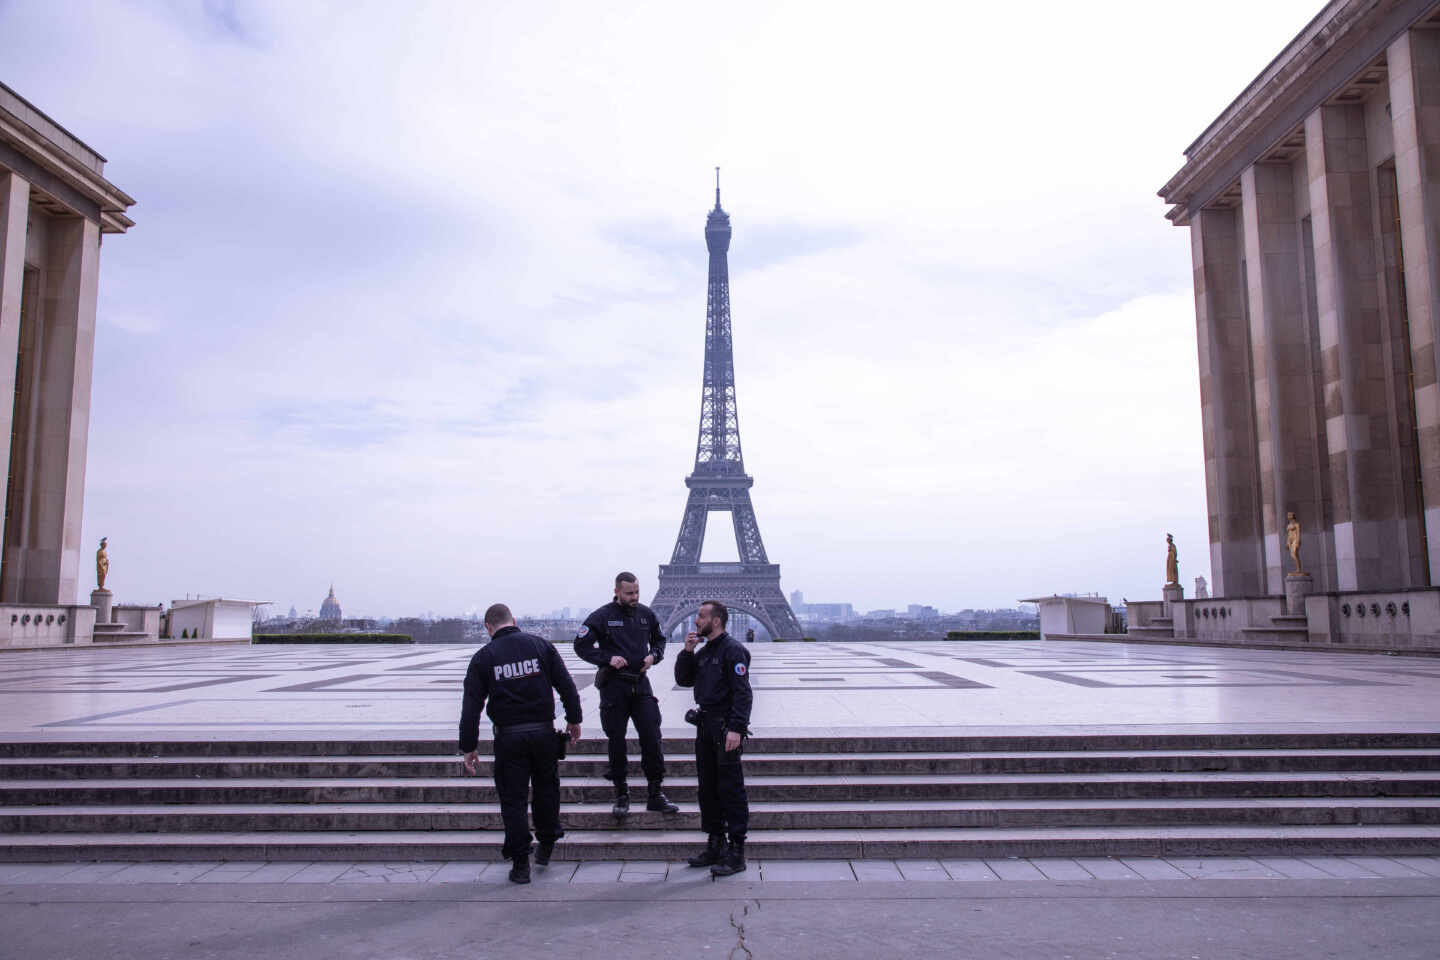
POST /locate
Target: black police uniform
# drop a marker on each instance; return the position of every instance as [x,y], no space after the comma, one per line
[632,633]
[720,673]
[516,672]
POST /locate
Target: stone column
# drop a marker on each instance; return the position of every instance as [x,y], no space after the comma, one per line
[1227,405]
[1414,76]
[70,287]
[1292,456]
[14,216]
[1370,536]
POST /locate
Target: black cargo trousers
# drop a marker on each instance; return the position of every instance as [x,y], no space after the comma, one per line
[623,700]
[724,806]
[526,758]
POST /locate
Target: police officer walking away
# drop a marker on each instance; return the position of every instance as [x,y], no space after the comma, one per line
[720,674]
[516,672]
[623,639]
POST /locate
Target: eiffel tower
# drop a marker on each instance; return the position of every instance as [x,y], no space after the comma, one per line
[719,482]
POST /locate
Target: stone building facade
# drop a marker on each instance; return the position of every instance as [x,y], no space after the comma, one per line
[1313,204]
[55,205]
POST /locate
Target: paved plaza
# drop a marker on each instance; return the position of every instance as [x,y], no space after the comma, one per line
[333,692]
[1080,907]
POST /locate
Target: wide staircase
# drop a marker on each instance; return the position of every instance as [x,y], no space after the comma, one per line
[811,798]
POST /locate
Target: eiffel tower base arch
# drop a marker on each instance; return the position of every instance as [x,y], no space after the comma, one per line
[752,588]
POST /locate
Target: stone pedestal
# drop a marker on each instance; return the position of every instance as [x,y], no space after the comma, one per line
[1297,587]
[101,601]
[1172,592]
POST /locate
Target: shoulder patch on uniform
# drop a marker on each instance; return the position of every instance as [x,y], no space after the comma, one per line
[739,669]
[583,632]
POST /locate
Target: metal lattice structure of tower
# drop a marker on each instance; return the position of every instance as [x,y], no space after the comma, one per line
[719,481]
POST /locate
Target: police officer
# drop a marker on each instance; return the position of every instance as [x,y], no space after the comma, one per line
[720,674]
[516,672]
[623,639]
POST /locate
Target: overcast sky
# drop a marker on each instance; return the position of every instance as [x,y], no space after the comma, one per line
[415,299]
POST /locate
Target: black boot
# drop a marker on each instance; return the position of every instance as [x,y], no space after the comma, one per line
[520,869]
[621,809]
[734,859]
[658,802]
[713,853]
[543,850]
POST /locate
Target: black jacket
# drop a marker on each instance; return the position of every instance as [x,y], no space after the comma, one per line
[616,630]
[720,673]
[516,672]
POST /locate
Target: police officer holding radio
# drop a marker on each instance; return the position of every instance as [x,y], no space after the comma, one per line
[720,674]
[623,639]
[516,673]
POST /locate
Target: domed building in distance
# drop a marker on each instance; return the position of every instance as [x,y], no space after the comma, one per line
[330,608]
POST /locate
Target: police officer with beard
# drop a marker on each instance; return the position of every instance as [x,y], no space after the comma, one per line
[516,672]
[720,674]
[623,639]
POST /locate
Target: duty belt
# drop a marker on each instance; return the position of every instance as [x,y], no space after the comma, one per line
[545,727]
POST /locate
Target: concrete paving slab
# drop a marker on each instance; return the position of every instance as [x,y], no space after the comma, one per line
[813,870]
[1386,866]
[40,872]
[458,871]
[92,873]
[598,871]
[388,873]
[1058,868]
[969,870]
[230,872]
[161,872]
[1107,868]
[321,872]
[276,871]
[643,871]
[1153,868]
[1293,868]
[1008,869]
[1430,866]
[876,871]
[1342,868]
[922,870]
[1229,868]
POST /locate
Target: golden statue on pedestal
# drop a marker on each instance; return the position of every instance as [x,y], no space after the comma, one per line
[102,565]
[1292,542]
[1172,561]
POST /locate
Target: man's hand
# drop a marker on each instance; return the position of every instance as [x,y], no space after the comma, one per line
[691,639]
[619,663]
[732,741]
[470,761]
[647,663]
[574,730]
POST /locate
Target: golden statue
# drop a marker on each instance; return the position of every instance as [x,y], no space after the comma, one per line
[1172,561]
[102,565]
[1292,543]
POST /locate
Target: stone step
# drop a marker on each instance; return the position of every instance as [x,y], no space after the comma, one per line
[760,788]
[266,818]
[672,845]
[680,746]
[775,764]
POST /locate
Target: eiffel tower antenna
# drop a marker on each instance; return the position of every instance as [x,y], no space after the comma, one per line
[719,483]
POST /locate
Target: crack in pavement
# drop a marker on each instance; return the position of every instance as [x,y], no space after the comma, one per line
[739,926]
